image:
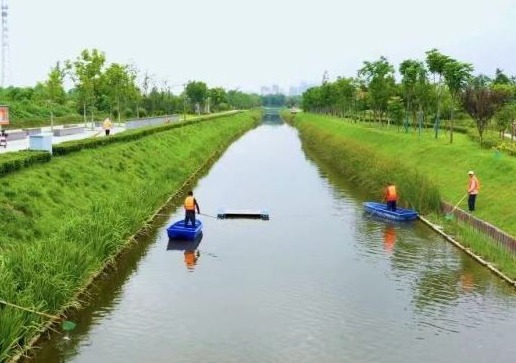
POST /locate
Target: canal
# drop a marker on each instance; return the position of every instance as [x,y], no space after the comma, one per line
[319,282]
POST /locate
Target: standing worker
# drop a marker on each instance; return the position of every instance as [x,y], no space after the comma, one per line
[3,139]
[190,207]
[391,197]
[106,125]
[473,187]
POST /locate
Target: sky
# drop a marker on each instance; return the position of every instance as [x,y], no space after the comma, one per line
[244,45]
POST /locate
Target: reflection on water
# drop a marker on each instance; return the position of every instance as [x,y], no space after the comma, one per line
[319,282]
[389,237]
[189,248]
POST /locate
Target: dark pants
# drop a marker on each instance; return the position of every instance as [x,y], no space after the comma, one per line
[190,215]
[107,132]
[391,205]
[471,202]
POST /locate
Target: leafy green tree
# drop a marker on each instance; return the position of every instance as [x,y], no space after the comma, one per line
[456,76]
[54,89]
[217,96]
[504,117]
[501,78]
[414,84]
[240,101]
[380,82]
[196,92]
[436,63]
[395,110]
[86,72]
[345,91]
[119,86]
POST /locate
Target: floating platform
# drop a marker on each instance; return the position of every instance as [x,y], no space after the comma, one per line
[380,210]
[178,230]
[244,213]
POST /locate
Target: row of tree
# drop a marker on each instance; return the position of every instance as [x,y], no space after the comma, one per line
[437,88]
[119,90]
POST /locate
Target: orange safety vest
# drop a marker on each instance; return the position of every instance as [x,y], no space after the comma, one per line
[190,203]
[390,194]
[473,185]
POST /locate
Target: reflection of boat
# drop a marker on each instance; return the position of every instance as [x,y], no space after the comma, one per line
[184,244]
[178,230]
[380,210]
[190,248]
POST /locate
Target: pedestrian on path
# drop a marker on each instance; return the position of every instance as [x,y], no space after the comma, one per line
[3,139]
[473,187]
[106,125]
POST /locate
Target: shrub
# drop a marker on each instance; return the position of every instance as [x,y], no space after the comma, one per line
[16,160]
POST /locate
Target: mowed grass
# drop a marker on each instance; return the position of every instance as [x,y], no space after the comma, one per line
[445,164]
[64,220]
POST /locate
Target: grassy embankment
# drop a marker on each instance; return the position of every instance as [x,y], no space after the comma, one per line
[64,220]
[425,170]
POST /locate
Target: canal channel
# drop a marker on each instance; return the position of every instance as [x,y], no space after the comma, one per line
[321,281]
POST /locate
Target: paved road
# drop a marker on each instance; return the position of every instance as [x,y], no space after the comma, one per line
[17,145]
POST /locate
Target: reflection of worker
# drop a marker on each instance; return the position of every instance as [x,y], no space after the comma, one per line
[190,207]
[389,238]
[466,281]
[191,258]
[391,197]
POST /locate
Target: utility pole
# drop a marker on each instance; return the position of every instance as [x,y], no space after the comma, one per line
[5,44]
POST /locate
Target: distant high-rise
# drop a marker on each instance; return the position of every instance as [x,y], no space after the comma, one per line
[5,44]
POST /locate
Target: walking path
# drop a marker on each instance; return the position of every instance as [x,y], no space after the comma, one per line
[17,145]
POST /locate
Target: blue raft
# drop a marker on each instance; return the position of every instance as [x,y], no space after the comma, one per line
[179,231]
[380,210]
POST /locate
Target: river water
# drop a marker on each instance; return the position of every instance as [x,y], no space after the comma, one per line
[321,281]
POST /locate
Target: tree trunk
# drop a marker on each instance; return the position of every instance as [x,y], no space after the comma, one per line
[451,124]
[84,114]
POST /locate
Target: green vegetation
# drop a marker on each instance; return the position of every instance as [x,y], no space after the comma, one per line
[362,162]
[444,164]
[16,160]
[438,87]
[425,170]
[64,220]
[116,90]
[492,251]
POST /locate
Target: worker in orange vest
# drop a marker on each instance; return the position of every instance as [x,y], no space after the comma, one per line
[391,197]
[473,187]
[190,207]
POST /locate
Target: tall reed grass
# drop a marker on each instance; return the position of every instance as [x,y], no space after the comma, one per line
[369,167]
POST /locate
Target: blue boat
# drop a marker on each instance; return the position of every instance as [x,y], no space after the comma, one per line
[178,230]
[380,210]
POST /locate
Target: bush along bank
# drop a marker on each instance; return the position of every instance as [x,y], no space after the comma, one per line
[65,220]
[367,163]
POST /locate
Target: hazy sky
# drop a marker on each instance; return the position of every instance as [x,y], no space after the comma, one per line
[247,44]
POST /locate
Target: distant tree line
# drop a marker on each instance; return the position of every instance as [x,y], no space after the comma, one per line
[118,90]
[438,88]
